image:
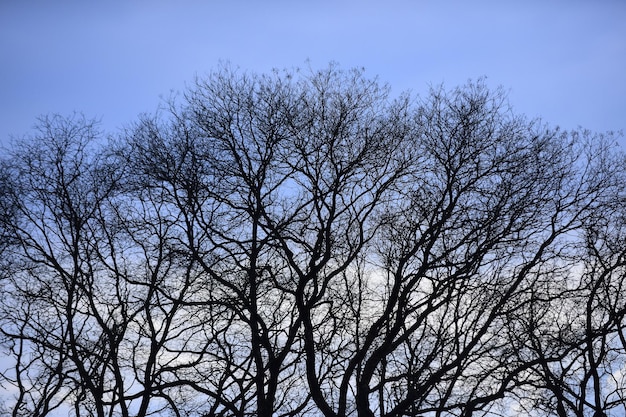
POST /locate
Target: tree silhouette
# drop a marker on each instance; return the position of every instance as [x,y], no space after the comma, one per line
[303,243]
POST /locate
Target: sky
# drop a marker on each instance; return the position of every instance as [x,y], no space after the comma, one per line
[561,60]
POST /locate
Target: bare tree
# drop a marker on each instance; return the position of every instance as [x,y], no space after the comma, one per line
[480,219]
[575,335]
[305,244]
[53,188]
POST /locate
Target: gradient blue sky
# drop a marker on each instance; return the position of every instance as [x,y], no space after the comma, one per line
[562,60]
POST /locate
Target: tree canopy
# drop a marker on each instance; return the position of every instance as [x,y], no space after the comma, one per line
[306,244]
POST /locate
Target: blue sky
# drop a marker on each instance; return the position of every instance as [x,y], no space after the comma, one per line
[562,60]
